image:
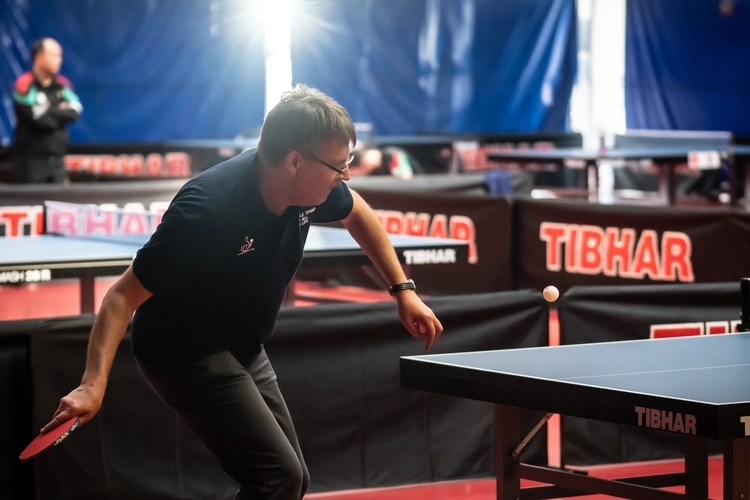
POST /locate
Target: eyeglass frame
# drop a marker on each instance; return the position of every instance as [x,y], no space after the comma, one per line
[339,172]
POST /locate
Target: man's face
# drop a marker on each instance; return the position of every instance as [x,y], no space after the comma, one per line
[50,59]
[315,180]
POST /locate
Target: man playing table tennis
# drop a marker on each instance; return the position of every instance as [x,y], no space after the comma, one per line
[207,287]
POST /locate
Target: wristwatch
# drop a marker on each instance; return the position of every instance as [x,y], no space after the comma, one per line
[409,285]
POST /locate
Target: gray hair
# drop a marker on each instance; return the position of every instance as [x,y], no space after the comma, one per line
[302,121]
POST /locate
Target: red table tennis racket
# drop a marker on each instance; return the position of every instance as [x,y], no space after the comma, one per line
[45,442]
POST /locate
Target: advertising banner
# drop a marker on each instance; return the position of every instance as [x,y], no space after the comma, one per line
[482,221]
[22,207]
[568,243]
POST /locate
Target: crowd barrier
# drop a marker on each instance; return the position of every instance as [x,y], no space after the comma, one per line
[425,206]
[515,241]
[338,368]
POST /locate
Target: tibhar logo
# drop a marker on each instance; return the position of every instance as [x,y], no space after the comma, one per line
[457,227]
[247,247]
[617,252]
[175,164]
[432,256]
[22,221]
[666,420]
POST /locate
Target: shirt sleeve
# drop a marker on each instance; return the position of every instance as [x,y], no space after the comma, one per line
[337,206]
[32,113]
[177,253]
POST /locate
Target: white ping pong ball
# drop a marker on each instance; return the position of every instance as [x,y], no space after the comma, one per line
[550,293]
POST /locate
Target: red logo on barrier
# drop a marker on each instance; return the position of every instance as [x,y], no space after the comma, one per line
[16,220]
[670,330]
[175,164]
[457,227]
[612,251]
[107,219]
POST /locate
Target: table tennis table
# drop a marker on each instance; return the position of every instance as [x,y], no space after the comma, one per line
[47,257]
[663,151]
[696,387]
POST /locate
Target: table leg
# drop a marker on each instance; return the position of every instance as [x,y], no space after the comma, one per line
[737,469]
[87,294]
[507,437]
[733,175]
[667,189]
[696,466]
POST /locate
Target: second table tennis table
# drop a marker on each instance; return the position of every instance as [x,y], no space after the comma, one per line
[696,387]
[665,157]
[47,257]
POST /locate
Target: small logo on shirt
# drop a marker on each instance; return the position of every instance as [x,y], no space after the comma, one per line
[304,216]
[247,247]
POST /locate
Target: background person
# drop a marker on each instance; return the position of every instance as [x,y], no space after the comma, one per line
[44,104]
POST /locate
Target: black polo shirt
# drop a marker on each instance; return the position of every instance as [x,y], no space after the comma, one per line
[218,266]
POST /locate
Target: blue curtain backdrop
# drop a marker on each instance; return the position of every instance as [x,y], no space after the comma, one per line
[145,70]
[687,65]
[151,70]
[412,66]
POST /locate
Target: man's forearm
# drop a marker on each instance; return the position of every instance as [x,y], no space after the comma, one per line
[107,333]
[366,229]
[66,115]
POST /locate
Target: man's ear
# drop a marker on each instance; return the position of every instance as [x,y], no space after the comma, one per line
[292,161]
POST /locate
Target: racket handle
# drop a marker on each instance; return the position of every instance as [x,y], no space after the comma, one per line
[744,325]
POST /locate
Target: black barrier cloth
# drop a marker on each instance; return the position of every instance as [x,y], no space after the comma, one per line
[565,243]
[16,478]
[136,446]
[338,369]
[487,219]
[357,428]
[607,314]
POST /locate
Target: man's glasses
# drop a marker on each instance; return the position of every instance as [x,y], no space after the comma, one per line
[339,171]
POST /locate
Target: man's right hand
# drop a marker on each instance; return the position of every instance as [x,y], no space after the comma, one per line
[83,402]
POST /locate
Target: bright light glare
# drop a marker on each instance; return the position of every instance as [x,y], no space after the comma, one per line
[278,79]
[278,41]
[584,9]
[276,24]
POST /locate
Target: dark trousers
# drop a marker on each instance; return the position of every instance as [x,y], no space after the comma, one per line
[40,169]
[241,417]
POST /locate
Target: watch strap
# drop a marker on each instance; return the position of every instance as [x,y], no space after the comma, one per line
[409,285]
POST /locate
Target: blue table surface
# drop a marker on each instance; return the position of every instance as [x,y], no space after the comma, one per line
[52,248]
[711,369]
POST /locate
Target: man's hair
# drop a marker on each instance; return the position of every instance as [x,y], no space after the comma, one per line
[37,48]
[302,121]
